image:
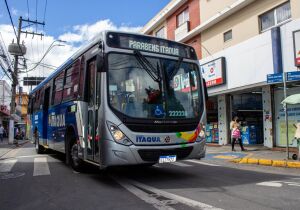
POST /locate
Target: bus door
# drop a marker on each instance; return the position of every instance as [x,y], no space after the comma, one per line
[45,115]
[92,132]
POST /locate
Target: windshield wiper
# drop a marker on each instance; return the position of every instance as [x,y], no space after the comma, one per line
[147,66]
[176,69]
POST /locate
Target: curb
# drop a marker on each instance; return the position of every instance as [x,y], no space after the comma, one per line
[267,162]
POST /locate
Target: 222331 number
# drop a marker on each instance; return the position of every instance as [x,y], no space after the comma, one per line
[177,113]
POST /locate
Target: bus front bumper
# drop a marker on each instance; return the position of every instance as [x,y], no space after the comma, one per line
[118,155]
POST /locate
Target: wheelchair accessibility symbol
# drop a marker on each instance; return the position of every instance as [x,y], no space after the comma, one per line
[158,112]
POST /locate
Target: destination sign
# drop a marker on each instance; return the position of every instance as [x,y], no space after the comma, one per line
[149,44]
[153,47]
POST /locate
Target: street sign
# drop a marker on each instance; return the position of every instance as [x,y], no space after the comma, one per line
[32,81]
[275,78]
[293,76]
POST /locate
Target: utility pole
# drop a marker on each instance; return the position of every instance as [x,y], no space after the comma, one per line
[13,88]
[17,51]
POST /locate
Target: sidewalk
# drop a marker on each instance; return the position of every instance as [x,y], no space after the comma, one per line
[5,147]
[255,154]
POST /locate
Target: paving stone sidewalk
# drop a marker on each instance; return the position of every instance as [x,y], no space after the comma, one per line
[256,154]
[5,147]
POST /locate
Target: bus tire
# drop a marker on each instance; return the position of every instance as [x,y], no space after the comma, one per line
[75,161]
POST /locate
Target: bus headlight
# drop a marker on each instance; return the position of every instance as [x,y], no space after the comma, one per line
[118,135]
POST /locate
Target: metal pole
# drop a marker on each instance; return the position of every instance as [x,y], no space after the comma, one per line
[13,91]
[286,117]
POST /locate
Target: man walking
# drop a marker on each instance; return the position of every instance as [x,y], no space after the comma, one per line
[1,133]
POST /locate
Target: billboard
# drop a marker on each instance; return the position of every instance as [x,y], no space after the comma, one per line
[214,72]
[32,81]
[296,37]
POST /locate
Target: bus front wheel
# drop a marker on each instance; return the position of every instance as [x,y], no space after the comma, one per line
[75,161]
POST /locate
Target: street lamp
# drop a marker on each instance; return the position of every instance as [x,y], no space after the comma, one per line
[52,45]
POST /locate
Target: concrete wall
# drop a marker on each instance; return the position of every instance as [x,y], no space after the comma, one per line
[250,61]
[211,7]
[267,116]
[244,24]
[223,120]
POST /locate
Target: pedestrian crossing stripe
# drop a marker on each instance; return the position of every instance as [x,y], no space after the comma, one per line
[7,165]
[41,167]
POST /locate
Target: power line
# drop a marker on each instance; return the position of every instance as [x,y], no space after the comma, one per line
[45,10]
[12,23]
[27,9]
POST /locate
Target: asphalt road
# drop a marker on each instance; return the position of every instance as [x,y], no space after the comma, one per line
[30,181]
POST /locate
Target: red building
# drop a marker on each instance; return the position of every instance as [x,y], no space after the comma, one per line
[175,21]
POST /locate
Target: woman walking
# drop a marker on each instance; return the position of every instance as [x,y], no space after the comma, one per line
[236,133]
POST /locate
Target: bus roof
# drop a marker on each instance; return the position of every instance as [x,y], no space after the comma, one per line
[70,60]
[78,53]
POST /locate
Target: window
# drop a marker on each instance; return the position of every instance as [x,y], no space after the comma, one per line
[183,17]
[227,35]
[160,33]
[58,89]
[71,88]
[275,16]
[91,82]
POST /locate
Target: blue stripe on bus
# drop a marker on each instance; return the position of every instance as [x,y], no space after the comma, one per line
[54,126]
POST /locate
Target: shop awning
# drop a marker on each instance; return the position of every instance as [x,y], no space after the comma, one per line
[293,99]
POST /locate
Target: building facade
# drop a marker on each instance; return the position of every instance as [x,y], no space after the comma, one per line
[22,106]
[5,98]
[239,43]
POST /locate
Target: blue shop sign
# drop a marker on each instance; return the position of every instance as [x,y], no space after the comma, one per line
[293,76]
[274,78]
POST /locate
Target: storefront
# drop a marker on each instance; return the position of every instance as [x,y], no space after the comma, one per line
[279,115]
[249,109]
[4,116]
[212,131]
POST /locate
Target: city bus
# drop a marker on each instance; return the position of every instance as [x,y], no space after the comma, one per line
[124,99]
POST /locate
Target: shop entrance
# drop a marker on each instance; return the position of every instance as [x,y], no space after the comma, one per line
[212,131]
[249,108]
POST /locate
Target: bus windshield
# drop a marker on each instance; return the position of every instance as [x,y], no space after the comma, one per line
[152,88]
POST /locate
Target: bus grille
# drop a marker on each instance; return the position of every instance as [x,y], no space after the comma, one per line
[153,154]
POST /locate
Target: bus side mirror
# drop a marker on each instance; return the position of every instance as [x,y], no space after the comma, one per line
[205,90]
[100,63]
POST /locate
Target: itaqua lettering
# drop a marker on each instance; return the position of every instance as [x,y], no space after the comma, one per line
[148,139]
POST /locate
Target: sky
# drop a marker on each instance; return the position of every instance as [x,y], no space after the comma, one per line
[73,21]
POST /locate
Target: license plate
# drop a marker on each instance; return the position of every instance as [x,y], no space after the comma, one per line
[167,159]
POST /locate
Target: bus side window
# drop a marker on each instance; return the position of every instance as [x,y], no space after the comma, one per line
[71,86]
[58,89]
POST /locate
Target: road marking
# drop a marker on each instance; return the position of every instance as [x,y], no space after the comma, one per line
[278,183]
[166,198]
[10,153]
[296,184]
[7,165]
[180,164]
[270,184]
[202,163]
[178,198]
[24,156]
[142,195]
[41,167]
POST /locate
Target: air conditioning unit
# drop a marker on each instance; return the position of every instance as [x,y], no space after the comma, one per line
[182,30]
